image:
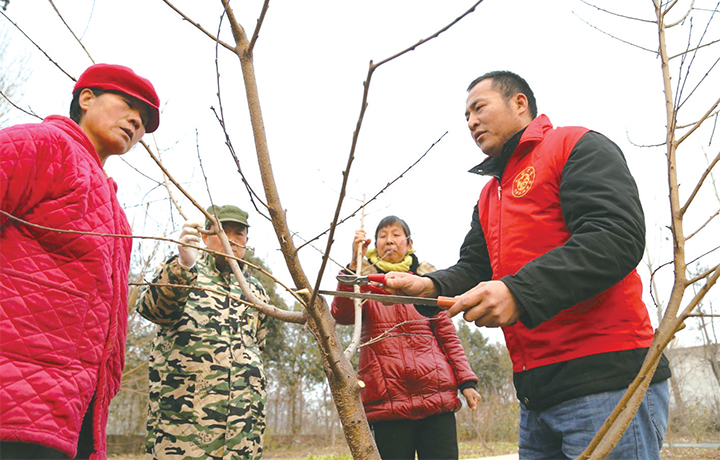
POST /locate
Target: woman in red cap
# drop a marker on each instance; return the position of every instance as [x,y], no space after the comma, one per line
[63,281]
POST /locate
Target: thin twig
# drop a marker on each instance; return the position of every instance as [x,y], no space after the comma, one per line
[32,114]
[699,184]
[435,35]
[694,49]
[614,37]
[71,31]
[39,48]
[198,26]
[351,215]
[703,275]
[705,224]
[387,334]
[612,13]
[697,125]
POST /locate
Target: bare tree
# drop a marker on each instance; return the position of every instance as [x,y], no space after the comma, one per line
[12,77]
[691,105]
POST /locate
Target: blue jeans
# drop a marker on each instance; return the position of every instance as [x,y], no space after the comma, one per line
[566,429]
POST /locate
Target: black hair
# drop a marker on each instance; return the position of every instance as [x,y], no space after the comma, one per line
[509,84]
[76,112]
[389,220]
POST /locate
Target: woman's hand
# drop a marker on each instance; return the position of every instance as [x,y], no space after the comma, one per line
[472,397]
[360,238]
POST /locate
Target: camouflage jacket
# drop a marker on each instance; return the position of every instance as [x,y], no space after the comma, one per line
[207,383]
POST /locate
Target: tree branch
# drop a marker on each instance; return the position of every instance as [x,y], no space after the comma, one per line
[351,215]
[685,16]
[32,114]
[703,275]
[256,33]
[198,26]
[699,122]
[71,31]
[699,184]
[614,37]
[270,310]
[612,13]
[38,47]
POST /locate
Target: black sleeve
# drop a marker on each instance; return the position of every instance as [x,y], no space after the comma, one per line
[472,268]
[601,207]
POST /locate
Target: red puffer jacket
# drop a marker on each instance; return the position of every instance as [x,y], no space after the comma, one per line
[63,297]
[416,370]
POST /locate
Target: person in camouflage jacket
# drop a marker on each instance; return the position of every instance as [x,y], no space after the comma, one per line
[207,383]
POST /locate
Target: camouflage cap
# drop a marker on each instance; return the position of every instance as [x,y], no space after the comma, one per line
[228,213]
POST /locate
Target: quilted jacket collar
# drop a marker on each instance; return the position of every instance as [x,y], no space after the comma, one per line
[74,130]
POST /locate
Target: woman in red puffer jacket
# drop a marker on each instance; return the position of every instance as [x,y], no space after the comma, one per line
[411,376]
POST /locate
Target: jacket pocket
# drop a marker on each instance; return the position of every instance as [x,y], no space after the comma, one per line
[41,321]
[375,390]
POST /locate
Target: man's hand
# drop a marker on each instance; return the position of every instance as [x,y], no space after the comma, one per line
[489,304]
[472,397]
[190,235]
[406,284]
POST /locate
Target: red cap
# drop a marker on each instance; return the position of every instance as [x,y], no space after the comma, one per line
[111,77]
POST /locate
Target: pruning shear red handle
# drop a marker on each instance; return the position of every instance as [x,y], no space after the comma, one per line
[365,282]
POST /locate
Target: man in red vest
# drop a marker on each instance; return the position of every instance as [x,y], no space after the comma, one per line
[550,257]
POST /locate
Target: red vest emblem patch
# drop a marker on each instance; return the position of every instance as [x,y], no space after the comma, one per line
[523,182]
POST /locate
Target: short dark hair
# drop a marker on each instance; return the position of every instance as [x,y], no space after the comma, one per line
[509,84]
[75,110]
[389,220]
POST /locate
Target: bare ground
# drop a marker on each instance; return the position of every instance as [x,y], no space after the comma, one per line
[467,450]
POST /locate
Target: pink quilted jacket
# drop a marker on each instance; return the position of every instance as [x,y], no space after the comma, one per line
[63,296]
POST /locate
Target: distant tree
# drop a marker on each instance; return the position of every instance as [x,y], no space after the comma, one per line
[496,416]
[490,362]
[14,74]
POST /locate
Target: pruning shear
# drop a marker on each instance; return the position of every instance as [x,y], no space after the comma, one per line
[368,283]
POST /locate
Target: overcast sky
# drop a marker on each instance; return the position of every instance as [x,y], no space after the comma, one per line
[311,60]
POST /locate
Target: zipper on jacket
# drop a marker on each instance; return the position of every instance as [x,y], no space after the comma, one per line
[499,191]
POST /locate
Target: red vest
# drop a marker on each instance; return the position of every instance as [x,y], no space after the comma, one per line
[522,219]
